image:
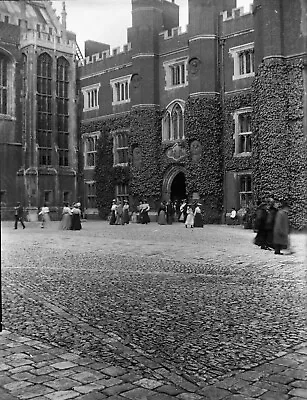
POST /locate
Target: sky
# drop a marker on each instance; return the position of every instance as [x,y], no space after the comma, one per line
[107,20]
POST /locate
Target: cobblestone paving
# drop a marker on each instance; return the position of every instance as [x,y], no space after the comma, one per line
[175,308]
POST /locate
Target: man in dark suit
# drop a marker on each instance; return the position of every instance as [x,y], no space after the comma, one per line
[19,215]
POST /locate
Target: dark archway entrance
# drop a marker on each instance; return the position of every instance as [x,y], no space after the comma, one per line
[178,188]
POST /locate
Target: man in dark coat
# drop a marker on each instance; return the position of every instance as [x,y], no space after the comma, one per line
[270,221]
[261,216]
[281,229]
[19,215]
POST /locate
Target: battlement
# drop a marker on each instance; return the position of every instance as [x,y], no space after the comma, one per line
[171,33]
[236,13]
[103,55]
[48,40]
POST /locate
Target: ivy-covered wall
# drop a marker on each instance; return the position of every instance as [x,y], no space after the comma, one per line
[203,123]
[279,144]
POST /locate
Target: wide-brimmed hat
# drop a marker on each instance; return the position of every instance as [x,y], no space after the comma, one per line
[125,201]
[78,205]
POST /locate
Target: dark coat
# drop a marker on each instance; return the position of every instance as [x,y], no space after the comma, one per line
[281,228]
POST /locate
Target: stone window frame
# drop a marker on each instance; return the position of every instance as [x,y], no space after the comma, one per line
[243,50]
[10,85]
[168,120]
[121,90]
[85,137]
[91,97]
[117,147]
[248,191]
[237,134]
[169,68]
[90,193]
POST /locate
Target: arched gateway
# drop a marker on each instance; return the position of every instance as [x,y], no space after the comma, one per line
[174,187]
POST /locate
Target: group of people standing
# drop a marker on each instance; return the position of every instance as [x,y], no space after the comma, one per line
[189,214]
[71,217]
[119,213]
[272,225]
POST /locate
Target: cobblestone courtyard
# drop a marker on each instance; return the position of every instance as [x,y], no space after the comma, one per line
[182,309]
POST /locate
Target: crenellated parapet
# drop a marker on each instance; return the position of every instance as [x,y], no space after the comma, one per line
[174,32]
[111,55]
[236,20]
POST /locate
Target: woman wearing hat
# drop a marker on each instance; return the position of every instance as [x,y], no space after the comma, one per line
[190,217]
[113,212]
[76,217]
[66,217]
[198,220]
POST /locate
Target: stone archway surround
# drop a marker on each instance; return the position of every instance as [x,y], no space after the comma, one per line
[168,180]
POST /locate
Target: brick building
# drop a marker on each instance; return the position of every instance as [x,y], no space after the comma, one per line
[38,113]
[213,111]
[178,107]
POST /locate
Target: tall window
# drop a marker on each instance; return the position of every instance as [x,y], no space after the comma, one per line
[245,182]
[175,73]
[3,84]
[90,149]
[90,189]
[44,110]
[91,97]
[121,192]
[120,89]
[173,122]
[120,148]
[243,132]
[244,61]
[62,110]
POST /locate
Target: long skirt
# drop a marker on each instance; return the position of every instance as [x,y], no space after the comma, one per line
[113,218]
[189,220]
[161,218]
[198,221]
[145,217]
[75,222]
[65,222]
[134,218]
[45,219]
[126,217]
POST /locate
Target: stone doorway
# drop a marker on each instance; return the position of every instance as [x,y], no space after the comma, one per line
[174,184]
[178,189]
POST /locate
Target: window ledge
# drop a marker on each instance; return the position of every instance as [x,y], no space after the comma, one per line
[120,165]
[237,77]
[173,140]
[238,155]
[7,117]
[115,103]
[89,167]
[176,86]
[90,109]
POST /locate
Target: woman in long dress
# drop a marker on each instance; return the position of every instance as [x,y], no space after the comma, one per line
[190,217]
[198,220]
[144,213]
[126,212]
[113,212]
[44,213]
[76,217]
[162,214]
[66,217]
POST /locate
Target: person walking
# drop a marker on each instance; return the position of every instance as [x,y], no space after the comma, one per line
[270,222]
[119,214]
[169,213]
[190,217]
[281,229]
[44,213]
[162,214]
[19,215]
[261,216]
[198,219]
[183,211]
[66,217]
[113,212]
[126,217]
[76,217]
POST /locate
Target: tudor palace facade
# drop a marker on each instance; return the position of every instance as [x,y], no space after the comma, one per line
[214,112]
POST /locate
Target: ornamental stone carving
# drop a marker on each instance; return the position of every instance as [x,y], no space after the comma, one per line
[176,152]
[137,157]
[196,150]
[194,66]
[136,81]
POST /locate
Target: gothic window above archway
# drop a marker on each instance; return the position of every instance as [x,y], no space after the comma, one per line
[62,110]
[44,109]
[7,69]
[173,122]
